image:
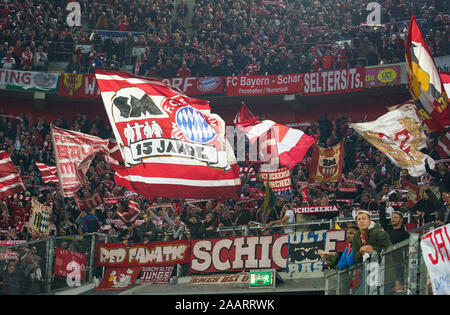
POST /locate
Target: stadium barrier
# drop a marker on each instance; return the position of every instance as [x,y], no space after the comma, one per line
[398,270]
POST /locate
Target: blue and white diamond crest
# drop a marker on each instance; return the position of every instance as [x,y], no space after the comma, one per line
[194,126]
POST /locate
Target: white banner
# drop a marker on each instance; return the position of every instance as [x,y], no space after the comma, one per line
[436,254]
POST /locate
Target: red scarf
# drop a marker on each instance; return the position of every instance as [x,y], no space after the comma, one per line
[349,248]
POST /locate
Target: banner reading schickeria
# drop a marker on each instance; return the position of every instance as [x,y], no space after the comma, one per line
[172,145]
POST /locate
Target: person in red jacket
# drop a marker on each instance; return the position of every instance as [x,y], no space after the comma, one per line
[124,25]
[27,59]
[184,71]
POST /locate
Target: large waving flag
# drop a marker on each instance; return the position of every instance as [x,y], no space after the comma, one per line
[10,181]
[74,152]
[398,135]
[424,81]
[291,144]
[172,145]
[48,173]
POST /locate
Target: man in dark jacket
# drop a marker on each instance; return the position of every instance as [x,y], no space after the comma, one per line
[442,175]
[147,230]
[129,235]
[196,229]
[426,206]
[90,222]
[444,211]
[369,238]
[397,231]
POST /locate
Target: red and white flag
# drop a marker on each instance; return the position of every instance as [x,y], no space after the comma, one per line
[114,150]
[424,81]
[172,145]
[133,212]
[48,173]
[291,144]
[91,202]
[74,152]
[10,181]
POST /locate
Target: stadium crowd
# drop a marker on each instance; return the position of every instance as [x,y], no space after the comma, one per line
[244,37]
[369,171]
[229,38]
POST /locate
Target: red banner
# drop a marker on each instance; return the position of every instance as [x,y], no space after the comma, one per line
[118,279]
[70,264]
[264,85]
[159,275]
[152,254]
[315,209]
[198,86]
[227,254]
[12,243]
[79,85]
[334,81]
[279,180]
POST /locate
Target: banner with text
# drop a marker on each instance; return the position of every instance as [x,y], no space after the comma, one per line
[157,275]
[74,152]
[296,252]
[333,81]
[30,81]
[436,254]
[152,254]
[316,209]
[263,85]
[279,180]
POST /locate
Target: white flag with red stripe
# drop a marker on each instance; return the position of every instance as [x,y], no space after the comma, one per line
[172,145]
[48,173]
[10,181]
[291,144]
[74,152]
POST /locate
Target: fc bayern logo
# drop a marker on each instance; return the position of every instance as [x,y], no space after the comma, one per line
[194,126]
[208,84]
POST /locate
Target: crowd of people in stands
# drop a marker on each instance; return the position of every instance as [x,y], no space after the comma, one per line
[222,38]
[370,172]
[229,38]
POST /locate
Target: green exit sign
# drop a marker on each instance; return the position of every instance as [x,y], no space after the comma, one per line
[261,279]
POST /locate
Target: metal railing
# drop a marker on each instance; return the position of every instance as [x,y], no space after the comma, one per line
[43,251]
[398,270]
